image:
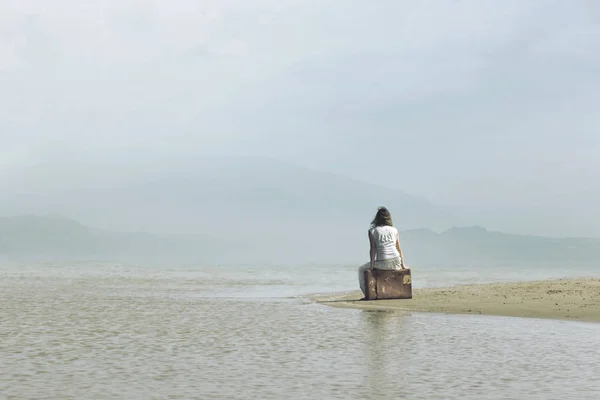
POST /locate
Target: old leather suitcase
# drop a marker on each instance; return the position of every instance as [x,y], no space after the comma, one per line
[383,284]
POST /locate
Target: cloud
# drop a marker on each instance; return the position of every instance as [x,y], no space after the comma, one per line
[457,83]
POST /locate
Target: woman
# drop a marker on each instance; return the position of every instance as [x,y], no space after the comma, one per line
[386,252]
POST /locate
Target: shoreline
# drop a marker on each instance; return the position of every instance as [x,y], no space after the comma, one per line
[576,299]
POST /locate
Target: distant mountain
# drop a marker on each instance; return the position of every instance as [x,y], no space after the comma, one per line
[238,197]
[243,197]
[480,247]
[56,237]
[30,236]
[548,220]
[248,210]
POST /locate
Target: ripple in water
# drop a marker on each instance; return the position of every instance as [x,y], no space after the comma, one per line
[104,338]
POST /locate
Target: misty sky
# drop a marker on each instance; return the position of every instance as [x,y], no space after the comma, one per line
[464,102]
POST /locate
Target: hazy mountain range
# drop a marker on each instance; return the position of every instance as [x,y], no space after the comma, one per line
[232,195]
[238,210]
[56,237]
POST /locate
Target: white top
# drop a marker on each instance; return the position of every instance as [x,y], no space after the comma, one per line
[385,242]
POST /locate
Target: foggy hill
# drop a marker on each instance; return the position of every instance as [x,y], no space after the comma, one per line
[244,209]
[235,196]
[56,237]
[480,247]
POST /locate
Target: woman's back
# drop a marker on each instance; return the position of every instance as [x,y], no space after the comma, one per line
[385,242]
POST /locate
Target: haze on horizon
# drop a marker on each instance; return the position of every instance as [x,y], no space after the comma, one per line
[482,105]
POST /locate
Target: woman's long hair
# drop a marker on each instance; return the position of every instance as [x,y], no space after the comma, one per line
[382,218]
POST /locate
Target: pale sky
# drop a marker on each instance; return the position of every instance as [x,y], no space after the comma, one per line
[464,102]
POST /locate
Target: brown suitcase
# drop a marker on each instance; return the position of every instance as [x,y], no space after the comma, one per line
[384,284]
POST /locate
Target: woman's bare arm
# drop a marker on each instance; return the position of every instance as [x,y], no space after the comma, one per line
[400,251]
[371,251]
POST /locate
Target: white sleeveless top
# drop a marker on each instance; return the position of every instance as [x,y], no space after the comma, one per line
[385,242]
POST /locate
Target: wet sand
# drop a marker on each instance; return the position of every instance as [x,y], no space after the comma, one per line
[568,299]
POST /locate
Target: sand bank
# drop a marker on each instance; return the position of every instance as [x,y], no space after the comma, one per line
[569,299]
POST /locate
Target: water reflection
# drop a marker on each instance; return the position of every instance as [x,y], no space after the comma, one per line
[385,353]
[140,335]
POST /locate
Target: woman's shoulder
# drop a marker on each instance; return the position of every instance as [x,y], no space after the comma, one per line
[383,228]
[391,229]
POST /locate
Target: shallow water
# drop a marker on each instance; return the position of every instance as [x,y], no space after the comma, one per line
[111,331]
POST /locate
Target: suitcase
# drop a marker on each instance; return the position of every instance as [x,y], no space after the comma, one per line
[384,284]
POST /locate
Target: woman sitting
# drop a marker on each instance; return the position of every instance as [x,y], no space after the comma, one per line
[386,252]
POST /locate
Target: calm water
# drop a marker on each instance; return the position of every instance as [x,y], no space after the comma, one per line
[119,332]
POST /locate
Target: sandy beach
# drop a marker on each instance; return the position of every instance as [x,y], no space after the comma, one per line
[568,299]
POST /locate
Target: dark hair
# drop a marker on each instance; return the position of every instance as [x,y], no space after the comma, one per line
[382,218]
